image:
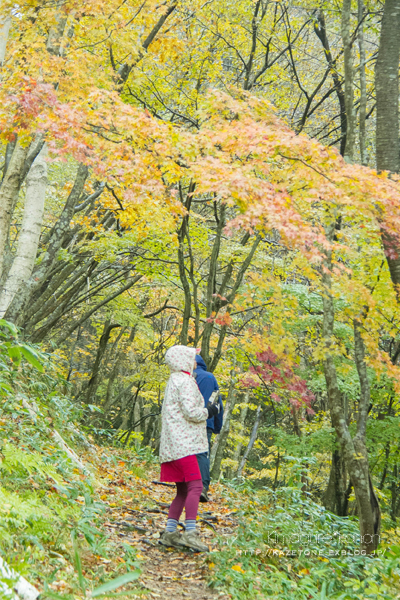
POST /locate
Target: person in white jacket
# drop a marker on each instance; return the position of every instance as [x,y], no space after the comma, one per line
[183,435]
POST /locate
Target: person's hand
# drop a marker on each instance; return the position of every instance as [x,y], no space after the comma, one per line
[213,410]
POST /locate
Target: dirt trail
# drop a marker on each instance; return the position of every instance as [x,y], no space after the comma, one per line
[169,573]
[176,575]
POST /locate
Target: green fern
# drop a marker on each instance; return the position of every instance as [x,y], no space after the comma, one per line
[15,458]
[14,507]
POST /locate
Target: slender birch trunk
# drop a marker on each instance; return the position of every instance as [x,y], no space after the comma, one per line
[250,445]
[348,81]
[363,84]
[24,163]
[218,448]
[217,452]
[243,415]
[8,191]
[28,241]
[5,24]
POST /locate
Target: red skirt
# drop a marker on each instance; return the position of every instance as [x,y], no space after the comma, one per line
[182,469]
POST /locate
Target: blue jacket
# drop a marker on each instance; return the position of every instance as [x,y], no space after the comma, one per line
[207,385]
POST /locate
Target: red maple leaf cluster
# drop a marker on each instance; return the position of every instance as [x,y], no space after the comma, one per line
[279,380]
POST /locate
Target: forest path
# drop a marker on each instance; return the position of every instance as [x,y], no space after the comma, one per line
[137,516]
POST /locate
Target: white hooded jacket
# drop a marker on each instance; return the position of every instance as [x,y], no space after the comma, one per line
[183,416]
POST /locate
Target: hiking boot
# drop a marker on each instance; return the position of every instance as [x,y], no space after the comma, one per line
[192,540]
[171,539]
[204,496]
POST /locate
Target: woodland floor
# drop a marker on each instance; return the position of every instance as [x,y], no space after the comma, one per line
[137,515]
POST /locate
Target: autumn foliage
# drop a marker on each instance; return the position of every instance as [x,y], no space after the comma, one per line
[278,381]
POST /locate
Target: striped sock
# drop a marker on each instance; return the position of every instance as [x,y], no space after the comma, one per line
[172,524]
[190,525]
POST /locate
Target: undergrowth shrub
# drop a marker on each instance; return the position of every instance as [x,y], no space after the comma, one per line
[290,548]
[43,496]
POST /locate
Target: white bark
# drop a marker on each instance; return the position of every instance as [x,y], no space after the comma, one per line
[5,24]
[250,445]
[22,266]
[242,420]
[9,188]
[21,589]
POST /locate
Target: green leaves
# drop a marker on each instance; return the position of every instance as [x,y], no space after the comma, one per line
[10,326]
[16,350]
[116,583]
[32,357]
[78,564]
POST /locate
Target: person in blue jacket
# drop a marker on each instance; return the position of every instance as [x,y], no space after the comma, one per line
[207,385]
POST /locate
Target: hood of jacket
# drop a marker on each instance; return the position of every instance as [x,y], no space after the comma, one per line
[180,358]
[200,363]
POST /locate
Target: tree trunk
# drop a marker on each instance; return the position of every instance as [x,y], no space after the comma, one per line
[242,420]
[211,283]
[387,90]
[363,84]
[218,450]
[360,439]
[348,81]
[8,191]
[250,445]
[93,382]
[320,30]
[115,370]
[353,451]
[336,497]
[394,493]
[387,116]
[187,310]
[24,260]
[23,159]
[23,306]
[231,296]
[218,453]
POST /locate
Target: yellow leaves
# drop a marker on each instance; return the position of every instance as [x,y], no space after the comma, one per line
[304,572]
[211,565]
[238,568]
[358,456]
[263,473]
